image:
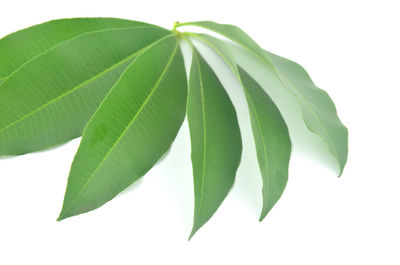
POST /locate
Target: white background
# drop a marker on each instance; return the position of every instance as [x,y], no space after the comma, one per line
[350,48]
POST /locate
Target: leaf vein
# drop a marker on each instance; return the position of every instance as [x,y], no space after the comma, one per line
[130,123]
[80,85]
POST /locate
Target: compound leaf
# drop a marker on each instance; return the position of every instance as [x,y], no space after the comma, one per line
[318,110]
[215,139]
[49,99]
[21,46]
[133,127]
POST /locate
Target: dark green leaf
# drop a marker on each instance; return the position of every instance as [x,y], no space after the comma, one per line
[133,127]
[21,46]
[48,100]
[319,111]
[215,138]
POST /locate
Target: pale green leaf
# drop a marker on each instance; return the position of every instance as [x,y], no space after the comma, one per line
[48,100]
[21,46]
[215,140]
[318,110]
[133,127]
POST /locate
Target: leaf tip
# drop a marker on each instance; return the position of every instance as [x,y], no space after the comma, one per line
[262,216]
[61,217]
[264,212]
[194,230]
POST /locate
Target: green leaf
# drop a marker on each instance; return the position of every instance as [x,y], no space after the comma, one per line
[133,127]
[21,46]
[215,140]
[48,100]
[270,132]
[318,110]
[272,141]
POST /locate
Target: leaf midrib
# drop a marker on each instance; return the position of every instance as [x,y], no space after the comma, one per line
[263,144]
[129,124]
[204,135]
[82,84]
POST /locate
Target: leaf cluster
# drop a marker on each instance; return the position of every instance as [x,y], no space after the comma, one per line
[122,86]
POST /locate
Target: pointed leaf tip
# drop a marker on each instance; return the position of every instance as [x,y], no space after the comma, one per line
[215,140]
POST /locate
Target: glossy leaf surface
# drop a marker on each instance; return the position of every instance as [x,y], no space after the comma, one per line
[318,110]
[48,100]
[21,46]
[215,140]
[133,127]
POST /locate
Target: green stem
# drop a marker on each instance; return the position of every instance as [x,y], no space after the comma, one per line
[178,24]
[176,32]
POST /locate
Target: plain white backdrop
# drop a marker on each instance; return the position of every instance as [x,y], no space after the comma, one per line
[350,48]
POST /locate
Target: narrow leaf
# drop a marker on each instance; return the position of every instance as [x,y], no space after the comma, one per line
[270,132]
[318,110]
[21,46]
[48,100]
[133,127]
[215,140]
[272,141]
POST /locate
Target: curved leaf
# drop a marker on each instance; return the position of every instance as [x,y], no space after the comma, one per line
[318,110]
[215,140]
[272,141]
[133,127]
[21,46]
[48,100]
[270,132]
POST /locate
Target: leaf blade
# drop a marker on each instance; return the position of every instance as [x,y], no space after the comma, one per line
[48,100]
[272,141]
[321,120]
[132,129]
[215,139]
[268,126]
[15,50]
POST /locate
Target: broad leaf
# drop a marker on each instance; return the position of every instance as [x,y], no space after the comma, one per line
[215,140]
[318,110]
[133,127]
[270,132]
[49,99]
[21,46]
